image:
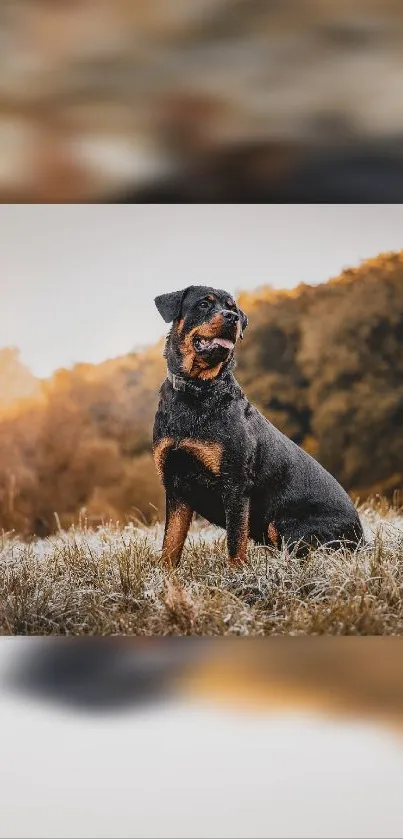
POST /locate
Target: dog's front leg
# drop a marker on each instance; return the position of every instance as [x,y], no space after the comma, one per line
[237,523]
[177,523]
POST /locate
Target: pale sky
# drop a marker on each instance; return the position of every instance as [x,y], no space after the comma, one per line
[77,282]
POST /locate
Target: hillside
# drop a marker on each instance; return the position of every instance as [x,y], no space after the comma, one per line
[324,363]
[16,380]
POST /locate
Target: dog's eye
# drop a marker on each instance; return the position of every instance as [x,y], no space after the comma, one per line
[203,304]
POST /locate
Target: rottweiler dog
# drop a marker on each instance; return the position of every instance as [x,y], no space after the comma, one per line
[217,455]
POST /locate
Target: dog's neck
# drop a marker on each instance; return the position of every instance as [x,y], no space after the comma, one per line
[197,386]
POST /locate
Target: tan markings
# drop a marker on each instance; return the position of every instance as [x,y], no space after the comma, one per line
[229,303]
[160,452]
[176,530]
[189,355]
[272,533]
[210,372]
[180,326]
[241,554]
[210,328]
[193,365]
[211,297]
[210,454]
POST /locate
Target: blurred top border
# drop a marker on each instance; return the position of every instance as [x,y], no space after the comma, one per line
[239,100]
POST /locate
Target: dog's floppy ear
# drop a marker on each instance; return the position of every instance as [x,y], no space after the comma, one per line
[169,305]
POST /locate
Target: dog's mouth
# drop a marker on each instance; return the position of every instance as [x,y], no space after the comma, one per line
[202,345]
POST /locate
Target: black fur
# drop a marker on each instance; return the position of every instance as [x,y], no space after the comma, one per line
[264,477]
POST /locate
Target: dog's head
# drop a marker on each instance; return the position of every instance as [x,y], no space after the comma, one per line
[207,323]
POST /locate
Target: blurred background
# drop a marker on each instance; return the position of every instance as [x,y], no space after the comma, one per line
[81,360]
[193,738]
[220,100]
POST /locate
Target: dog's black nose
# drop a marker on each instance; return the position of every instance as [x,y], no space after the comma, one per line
[230,317]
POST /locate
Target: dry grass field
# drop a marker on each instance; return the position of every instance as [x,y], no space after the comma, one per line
[111,581]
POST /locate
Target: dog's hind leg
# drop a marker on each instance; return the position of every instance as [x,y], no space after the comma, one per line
[177,523]
[308,535]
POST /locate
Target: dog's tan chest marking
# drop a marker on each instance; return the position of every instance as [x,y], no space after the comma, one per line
[209,453]
[160,452]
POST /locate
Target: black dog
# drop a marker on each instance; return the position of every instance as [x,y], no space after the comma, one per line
[218,456]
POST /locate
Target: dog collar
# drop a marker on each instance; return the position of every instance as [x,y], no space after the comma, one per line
[177,382]
[182,383]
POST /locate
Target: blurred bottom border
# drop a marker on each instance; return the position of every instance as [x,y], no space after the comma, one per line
[350,676]
[201,737]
